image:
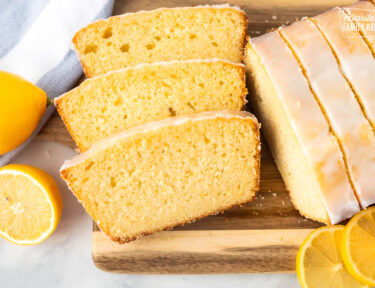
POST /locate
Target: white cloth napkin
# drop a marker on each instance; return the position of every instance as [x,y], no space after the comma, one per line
[35,43]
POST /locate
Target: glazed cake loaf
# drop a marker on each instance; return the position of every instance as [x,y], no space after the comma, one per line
[332,91]
[355,58]
[161,35]
[132,96]
[306,152]
[174,171]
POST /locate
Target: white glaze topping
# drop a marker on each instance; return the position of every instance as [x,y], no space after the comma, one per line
[355,57]
[161,63]
[172,121]
[341,107]
[319,145]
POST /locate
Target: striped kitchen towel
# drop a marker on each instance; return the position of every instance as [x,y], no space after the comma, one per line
[35,37]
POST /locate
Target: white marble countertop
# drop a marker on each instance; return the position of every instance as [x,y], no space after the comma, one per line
[64,259]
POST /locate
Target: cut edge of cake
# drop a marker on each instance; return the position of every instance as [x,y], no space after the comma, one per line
[103,144]
[178,120]
[138,66]
[214,6]
[90,73]
[79,140]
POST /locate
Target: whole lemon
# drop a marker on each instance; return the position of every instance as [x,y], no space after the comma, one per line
[22,104]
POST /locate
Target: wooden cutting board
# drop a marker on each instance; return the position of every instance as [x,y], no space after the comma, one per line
[262,236]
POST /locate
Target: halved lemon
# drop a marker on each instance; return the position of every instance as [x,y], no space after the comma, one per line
[30,204]
[319,261]
[358,246]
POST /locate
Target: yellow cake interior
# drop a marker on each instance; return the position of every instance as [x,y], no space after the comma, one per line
[130,97]
[161,35]
[170,175]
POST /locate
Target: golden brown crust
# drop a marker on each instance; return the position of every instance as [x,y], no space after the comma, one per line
[61,112]
[76,38]
[86,70]
[244,92]
[244,34]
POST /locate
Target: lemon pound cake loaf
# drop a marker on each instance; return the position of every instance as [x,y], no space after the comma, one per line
[162,35]
[307,154]
[354,56]
[132,96]
[169,172]
[353,131]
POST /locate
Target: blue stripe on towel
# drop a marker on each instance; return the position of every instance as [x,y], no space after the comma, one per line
[21,14]
[62,78]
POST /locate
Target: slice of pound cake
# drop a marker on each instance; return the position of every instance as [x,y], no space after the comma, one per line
[306,152]
[162,35]
[166,173]
[133,96]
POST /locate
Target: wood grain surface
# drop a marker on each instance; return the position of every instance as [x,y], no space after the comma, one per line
[262,236]
[191,252]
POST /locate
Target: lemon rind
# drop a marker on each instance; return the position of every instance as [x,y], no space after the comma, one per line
[348,261]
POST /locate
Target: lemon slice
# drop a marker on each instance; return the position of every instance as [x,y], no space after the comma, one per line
[30,204]
[358,246]
[319,262]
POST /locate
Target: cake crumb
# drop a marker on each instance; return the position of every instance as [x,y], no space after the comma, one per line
[274,17]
